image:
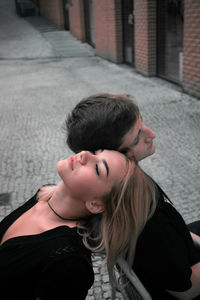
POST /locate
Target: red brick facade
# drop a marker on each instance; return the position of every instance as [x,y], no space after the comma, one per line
[145,36]
[52,10]
[191,61]
[108,29]
[76,19]
[108,33]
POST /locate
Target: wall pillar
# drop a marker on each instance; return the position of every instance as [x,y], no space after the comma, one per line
[145,36]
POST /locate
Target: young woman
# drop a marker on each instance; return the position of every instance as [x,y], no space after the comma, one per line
[42,255]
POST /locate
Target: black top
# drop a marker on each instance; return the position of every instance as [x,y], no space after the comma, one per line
[50,265]
[165,252]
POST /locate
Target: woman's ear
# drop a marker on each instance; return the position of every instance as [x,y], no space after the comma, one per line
[95,206]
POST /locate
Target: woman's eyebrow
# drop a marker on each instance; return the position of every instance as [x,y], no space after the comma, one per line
[106,166]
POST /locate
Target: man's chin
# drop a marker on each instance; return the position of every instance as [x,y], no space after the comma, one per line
[153,150]
[148,154]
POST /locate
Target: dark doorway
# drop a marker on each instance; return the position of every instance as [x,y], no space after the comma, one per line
[89,22]
[128,31]
[170,39]
[66,4]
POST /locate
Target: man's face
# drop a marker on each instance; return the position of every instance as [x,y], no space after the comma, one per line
[138,141]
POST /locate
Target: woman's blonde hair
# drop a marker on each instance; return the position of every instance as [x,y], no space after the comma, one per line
[128,206]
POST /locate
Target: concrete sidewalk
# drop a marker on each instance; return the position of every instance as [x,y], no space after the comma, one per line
[19,39]
[63,43]
[35,37]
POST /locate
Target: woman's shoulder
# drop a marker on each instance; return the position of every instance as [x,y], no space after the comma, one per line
[16,213]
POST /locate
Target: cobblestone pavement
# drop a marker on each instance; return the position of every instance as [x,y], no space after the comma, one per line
[37,94]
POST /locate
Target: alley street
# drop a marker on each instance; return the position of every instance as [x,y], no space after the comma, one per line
[41,81]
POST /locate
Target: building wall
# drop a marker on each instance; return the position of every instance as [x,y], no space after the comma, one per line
[108,29]
[145,36]
[191,54]
[52,10]
[76,19]
[109,35]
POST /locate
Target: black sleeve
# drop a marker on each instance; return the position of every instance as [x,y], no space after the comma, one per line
[64,278]
[162,256]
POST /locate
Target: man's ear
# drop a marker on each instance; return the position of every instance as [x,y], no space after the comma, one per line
[95,206]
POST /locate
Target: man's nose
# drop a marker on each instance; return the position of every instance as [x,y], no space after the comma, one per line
[149,134]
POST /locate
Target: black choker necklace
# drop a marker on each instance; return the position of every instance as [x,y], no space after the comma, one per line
[62,218]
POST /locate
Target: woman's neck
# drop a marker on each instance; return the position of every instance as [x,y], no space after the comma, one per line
[63,206]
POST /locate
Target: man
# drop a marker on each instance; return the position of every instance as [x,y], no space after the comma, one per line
[107,121]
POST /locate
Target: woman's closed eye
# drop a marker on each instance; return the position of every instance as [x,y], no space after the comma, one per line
[100,171]
[97,169]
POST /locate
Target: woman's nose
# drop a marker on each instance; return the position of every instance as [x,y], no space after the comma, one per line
[84,156]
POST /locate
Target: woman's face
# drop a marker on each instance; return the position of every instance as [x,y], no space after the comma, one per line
[89,176]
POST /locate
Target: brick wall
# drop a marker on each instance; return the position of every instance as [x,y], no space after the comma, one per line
[191,53]
[52,10]
[76,19]
[108,29]
[145,36]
